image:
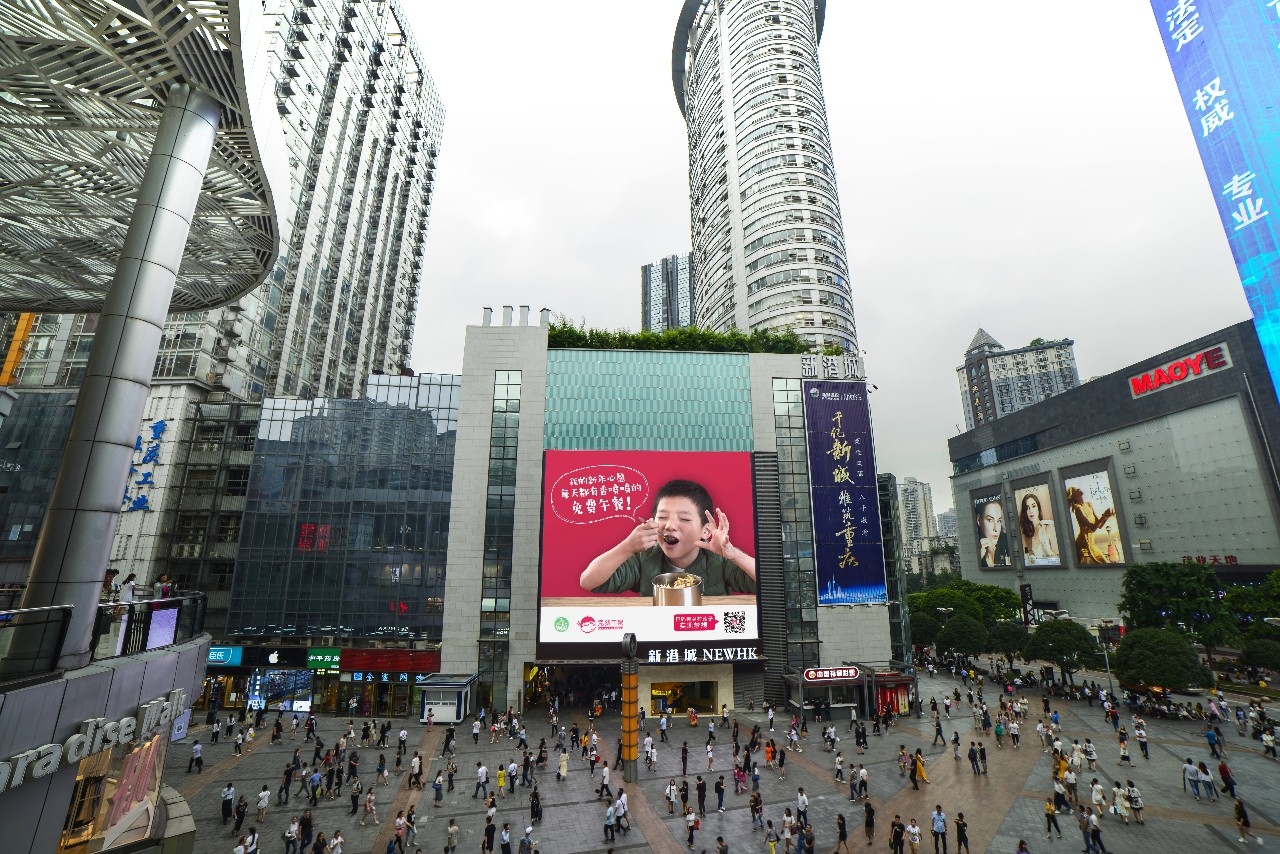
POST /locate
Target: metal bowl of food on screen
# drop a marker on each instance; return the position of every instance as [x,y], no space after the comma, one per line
[677,588]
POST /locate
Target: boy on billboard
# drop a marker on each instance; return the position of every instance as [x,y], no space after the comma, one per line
[684,535]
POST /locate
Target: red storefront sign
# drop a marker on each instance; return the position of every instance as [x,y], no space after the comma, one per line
[390,660]
[831,674]
[1180,370]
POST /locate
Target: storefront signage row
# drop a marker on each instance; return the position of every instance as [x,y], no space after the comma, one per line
[393,662]
[398,678]
[94,736]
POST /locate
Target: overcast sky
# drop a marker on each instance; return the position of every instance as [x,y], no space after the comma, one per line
[1024,167]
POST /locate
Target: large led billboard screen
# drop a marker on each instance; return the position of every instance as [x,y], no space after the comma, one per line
[988,524]
[1227,68]
[1037,529]
[848,546]
[1092,507]
[657,543]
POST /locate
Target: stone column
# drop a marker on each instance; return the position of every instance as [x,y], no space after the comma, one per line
[71,555]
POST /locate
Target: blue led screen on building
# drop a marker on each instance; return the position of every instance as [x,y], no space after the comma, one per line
[847,547]
[1226,62]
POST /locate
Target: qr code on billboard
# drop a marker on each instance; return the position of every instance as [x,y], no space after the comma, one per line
[735,622]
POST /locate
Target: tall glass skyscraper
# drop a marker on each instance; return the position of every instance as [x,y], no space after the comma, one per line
[767,238]
[666,293]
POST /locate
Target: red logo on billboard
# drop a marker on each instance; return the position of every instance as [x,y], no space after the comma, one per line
[1179,370]
[590,624]
[695,622]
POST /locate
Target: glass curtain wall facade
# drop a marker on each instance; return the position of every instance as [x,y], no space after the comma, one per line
[797,524]
[666,293]
[499,534]
[345,528]
[768,242]
[32,439]
[627,400]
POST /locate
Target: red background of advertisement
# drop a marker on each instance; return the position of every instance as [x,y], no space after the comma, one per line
[568,548]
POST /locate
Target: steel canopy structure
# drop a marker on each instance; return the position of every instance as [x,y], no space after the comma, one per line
[83,85]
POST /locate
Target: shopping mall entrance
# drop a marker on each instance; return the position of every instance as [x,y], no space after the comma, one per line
[679,697]
[573,685]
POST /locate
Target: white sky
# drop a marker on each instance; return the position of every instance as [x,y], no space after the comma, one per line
[1024,167]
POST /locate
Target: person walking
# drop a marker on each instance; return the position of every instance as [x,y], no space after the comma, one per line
[1082,822]
[897,835]
[370,807]
[356,790]
[291,837]
[197,757]
[1242,823]
[228,803]
[1191,777]
[264,798]
[610,816]
[1228,780]
[1051,819]
[691,823]
[914,833]
[802,807]
[842,835]
[719,790]
[869,822]
[242,812]
[1095,832]
[939,829]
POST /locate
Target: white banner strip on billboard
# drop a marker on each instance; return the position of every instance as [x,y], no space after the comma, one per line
[587,624]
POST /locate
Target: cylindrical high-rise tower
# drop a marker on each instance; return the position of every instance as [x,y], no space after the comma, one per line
[767,240]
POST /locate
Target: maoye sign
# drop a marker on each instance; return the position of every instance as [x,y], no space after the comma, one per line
[1180,370]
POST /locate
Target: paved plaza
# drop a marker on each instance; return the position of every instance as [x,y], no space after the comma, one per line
[1001,807]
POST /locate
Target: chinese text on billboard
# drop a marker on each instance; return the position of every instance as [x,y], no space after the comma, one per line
[848,552]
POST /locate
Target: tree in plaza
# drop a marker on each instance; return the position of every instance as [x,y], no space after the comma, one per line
[1260,652]
[1163,657]
[944,597]
[1007,639]
[1064,643]
[924,628]
[1251,604]
[997,603]
[1186,596]
[963,634]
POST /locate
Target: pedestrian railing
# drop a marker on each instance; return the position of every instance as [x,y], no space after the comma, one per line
[31,640]
[134,627]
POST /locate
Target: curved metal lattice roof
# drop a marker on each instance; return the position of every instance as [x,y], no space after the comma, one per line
[82,87]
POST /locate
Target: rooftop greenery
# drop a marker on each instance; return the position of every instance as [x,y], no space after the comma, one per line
[563,335]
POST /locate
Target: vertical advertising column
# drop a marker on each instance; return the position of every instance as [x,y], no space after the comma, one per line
[630,707]
[1227,69]
[848,552]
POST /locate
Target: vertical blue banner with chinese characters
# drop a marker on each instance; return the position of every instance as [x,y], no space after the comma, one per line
[848,553]
[1226,61]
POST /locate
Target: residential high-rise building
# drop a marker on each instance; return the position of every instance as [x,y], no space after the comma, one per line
[995,382]
[362,127]
[915,497]
[363,122]
[946,523]
[768,243]
[666,293]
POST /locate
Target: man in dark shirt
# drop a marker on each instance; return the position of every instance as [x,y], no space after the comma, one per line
[702,796]
[490,830]
[897,835]
[684,759]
